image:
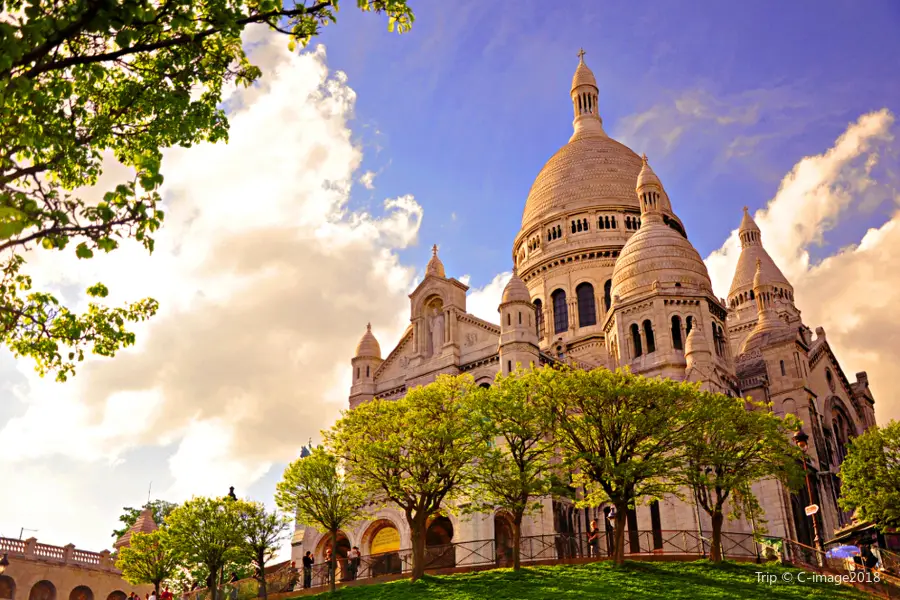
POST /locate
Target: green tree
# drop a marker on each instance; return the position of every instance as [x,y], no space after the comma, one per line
[149,558]
[81,79]
[206,533]
[415,453]
[870,476]
[161,510]
[733,444]
[619,434]
[516,468]
[263,532]
[318,492]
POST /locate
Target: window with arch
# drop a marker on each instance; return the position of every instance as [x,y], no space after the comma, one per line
[560,311]
[783,372]
[600,223]
[607,294]
[539,313]
[520,317]
[636,340]
[717,339]
[357,372]
[688,323]
[648,335]
[587,310]
[676,333]
[508,319]
[367,370]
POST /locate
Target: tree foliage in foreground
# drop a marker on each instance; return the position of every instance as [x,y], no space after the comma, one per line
[317,491]
[148,558]
[870,476]
[80,79]
[415,453]
[263,532]
[517,467]
[733,444]
[207,534]
[619,434]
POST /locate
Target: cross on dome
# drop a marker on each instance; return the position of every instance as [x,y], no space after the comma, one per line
[434,250]
[581,54]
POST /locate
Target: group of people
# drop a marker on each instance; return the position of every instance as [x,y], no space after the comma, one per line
[349,565]
[166,594]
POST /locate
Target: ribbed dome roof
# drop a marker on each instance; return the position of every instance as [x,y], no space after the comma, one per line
[752,251]
[590,171]
[368,345]
[657,253]
[583,75]
[515,290]
[435,266]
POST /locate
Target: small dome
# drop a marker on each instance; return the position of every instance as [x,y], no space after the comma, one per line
[753,252]
[583,75]
[368,345]
[657,254]
[647,176]
[515,290]
[696,342]
[758,280]
[435,266]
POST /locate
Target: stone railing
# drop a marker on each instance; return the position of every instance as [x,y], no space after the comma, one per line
[63,555]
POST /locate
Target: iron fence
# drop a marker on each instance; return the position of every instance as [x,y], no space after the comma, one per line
[846,569]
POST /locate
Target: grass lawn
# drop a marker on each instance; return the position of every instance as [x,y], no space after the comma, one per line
[635,581]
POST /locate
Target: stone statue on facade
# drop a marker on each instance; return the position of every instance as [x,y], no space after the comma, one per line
[437,332]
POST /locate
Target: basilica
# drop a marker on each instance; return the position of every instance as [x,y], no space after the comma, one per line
[605,276]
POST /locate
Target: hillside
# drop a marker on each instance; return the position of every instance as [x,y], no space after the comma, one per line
[636,581]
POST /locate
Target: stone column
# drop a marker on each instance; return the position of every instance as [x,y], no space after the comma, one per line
[30,546]
[106,560]
[67,552]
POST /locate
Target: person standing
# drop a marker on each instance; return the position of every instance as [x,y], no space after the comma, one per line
[354,560]
[308,562]
[594,540]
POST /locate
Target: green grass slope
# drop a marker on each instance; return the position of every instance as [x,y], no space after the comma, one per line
[636,581]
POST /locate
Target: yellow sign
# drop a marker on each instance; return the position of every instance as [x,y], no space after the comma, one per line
[386,540]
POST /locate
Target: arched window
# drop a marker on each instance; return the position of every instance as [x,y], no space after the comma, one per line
[584,223]
[587,310]
[676,333]
[613,221]
[783,373]
[607,294]
[539,313]
[560,311]
[717,340]
[367,370]
[607,223]
[688,323]
[636,339]
[508,319]
[357,372]
[573,226]
[559,231]
[520,317]
[648,334]
[600,223]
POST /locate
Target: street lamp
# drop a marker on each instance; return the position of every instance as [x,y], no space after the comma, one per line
[802,441]
[4,562]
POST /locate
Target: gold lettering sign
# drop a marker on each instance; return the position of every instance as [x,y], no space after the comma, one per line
[386,540]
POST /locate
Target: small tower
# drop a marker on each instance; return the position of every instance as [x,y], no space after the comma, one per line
[518,327]
[584,102]
[768,323]
[697,356]
[650,191]
[365,362]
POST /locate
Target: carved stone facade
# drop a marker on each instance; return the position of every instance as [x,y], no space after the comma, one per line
[605,277]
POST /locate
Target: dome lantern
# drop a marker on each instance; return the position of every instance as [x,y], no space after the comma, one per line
[368,346]
[584,94]
[435,266]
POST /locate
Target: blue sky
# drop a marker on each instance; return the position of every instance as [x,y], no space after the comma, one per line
[473,101]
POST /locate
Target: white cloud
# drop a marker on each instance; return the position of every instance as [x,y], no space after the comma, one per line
[484,302]
[367,180]
[266,281]
[852,292]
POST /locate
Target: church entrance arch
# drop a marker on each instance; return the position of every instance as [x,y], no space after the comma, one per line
[82,592]
[43,590]
[382,543]
[439,550]
[7,587]
[503,539]
[117,595]
[342,549]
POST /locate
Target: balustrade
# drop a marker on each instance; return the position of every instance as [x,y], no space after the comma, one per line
[69,554]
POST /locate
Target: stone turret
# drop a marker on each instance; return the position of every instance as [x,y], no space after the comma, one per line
[143,524]
[584,102]
[518,327]
[364,364]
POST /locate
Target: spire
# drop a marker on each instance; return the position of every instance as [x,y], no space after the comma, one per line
[650,192]
[435,266]
[767,319]
[749,231]
[368,346]
[754,258]
[143,524]
[584,94]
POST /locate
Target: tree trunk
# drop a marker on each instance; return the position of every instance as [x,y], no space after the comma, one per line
[261,562]
[517,540]
[619,543]
[332,562]
[715,551]
[417,530]
[156,588]
[212,583]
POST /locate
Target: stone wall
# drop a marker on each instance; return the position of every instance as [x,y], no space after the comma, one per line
[44,572]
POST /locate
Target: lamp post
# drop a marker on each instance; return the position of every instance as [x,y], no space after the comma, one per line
[4,562]
[802,441]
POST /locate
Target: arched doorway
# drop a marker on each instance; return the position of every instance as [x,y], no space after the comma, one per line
[7,587]
[503,539]
[42,590]
[117,595]
[383,548]
[342,549]
[439,551]
[82,592]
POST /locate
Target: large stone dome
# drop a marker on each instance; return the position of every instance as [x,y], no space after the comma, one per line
[589,171]
[657,255]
